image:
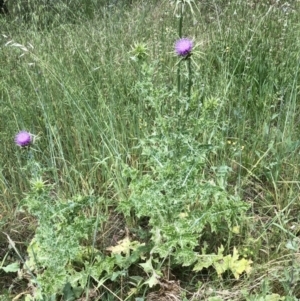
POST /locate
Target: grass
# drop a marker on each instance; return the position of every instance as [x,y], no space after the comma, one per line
[70,80]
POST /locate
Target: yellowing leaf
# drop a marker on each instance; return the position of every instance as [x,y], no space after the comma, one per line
[240,267]
[183,215]
[124,246]
[132,291]
[232,262]
[220,250]
[222,265]
[235,229]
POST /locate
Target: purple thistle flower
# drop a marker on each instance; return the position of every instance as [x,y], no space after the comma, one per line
[183,47]
[23,138]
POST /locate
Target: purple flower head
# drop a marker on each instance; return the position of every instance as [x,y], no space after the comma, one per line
[23,138]
[183,47]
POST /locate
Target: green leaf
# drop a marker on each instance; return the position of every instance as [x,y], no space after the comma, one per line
[147,266]
[207,260]
[11,268]
[153,280]
[68,292]
[292,245]
[272,297]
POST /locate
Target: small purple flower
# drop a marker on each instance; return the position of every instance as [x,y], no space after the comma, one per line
[23,138]
[183,47]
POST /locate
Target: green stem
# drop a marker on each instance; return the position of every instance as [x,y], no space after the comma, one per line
[180,25]
[178,78]
[190,77]
[181,19]
[180,36]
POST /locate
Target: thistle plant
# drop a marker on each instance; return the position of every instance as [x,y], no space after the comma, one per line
[55,253]
[176,192]
[62,257]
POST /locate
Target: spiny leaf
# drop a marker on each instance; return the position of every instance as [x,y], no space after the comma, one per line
[147,266]
[153,280]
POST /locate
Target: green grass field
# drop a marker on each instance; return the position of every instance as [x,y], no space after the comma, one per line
[135,189]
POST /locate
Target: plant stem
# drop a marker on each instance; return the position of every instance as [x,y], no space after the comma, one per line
[181,19]
[190,82]
[180,36]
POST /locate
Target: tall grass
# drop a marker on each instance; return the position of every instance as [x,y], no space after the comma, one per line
[69,79]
